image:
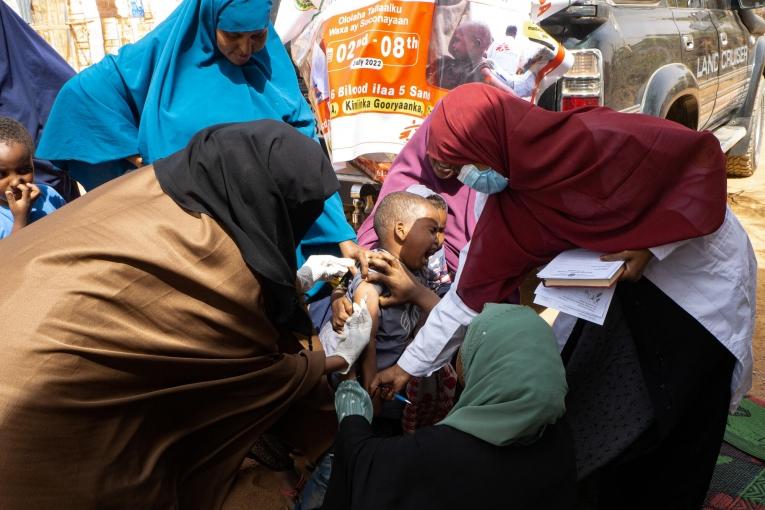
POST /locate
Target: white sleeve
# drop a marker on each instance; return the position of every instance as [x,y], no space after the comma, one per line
[439,337]
[663,251]
[442,332]
[562,327]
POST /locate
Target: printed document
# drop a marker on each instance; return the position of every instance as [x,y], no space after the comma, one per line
[588,303]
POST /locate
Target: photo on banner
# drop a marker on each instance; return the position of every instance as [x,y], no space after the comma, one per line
[375,69]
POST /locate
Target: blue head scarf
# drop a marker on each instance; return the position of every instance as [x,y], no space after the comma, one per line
[155,94]
[31,74]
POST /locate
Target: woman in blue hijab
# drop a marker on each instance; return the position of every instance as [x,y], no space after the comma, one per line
[209,62]
[31,74]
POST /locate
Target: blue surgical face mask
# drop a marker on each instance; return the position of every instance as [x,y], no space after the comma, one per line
[485,181]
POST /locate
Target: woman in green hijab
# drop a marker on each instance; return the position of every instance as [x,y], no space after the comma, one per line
[503,445]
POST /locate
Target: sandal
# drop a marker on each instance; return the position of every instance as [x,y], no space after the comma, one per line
[293,493]
[270,452]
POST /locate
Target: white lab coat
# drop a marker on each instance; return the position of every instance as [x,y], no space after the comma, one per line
[712,277]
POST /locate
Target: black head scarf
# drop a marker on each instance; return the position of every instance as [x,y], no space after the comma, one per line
[265,184]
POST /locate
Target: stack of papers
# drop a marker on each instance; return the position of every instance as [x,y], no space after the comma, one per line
[588,303]
[578,283]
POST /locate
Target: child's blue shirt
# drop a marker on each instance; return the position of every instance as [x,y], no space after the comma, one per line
[48,201]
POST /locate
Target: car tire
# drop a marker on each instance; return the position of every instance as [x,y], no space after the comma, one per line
[745,165]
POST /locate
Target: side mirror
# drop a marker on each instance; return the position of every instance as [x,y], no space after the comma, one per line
[748,4]
[752,21]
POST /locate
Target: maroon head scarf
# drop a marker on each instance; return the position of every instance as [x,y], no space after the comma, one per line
[412,166]
[590,178]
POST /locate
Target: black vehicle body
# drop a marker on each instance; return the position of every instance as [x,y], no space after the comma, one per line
[697,62]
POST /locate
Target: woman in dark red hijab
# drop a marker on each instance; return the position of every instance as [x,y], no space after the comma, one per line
[641,189]
[590,178]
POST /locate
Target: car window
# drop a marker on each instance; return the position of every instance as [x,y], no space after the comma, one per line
[703,4]
[690,4]
[718,4]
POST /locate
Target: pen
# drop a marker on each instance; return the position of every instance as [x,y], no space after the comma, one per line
[402,399]
[396,396]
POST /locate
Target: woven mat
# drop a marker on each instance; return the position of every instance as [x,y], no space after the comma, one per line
[746,427]
[739,478]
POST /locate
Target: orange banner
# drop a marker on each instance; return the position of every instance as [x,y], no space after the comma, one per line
[376,58]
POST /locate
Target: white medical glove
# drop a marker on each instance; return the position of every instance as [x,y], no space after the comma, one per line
[321,268]
[356,333]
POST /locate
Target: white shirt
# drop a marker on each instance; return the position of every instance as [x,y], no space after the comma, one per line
[506,53]
[711,277]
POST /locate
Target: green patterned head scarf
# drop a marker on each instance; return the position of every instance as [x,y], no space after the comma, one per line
[515,383]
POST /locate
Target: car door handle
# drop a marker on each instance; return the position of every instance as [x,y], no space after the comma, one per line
[723,38]
[688,42]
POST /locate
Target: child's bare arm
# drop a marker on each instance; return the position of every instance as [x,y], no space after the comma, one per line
[368,360]
[20,201]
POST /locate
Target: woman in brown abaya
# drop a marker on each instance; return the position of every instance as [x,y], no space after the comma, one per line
[148,328]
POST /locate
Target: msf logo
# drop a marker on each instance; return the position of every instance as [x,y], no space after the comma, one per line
[544,6]
[541,9]
[407,133]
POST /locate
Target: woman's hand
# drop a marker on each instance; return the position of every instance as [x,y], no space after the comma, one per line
[352,343]
[351,250]
[634,262]
[390,381]
[358,331]
[342,308]
[403,286]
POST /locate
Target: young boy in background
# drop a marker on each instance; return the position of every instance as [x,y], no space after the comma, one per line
[21,200]
[437,262]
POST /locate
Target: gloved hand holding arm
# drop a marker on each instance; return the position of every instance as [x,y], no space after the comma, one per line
[321,268]
[356,335]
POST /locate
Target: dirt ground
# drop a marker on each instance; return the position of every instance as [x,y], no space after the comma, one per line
[258,488]
[255,488]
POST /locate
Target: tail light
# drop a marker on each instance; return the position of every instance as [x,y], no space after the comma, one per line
[582,85]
